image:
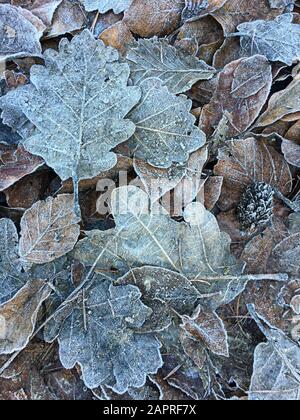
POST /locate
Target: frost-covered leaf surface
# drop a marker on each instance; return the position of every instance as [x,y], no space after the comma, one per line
[49,230]
[99,335]
[278,40]
[11,277]
[165,130]
[195,248]
[156,58]
[208,328]
[149,192]
[76,128]
[276,366]
[18,315]
[19,34]
[164,291]
[103,6]
[243,88]
[15,164]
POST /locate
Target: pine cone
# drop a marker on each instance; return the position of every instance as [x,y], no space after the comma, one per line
[255,210]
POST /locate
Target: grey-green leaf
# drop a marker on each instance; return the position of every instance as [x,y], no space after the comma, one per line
[156,58]
[103,6]
[165,130]
[278,40]
[77,103]
[100,336]
[195,248]
[11,277]
[164,291]
[276,373]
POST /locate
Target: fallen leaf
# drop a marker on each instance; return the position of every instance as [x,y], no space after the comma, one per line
[245,161]
[195,248]
[281,104]
[163,17]
[235,12]
[68,17]
[49,230]
[165,292]
[243,88]
[18,316]
[208,328]
[156,58]
[117,36]
[278,40]
[276,366]
[15,163]
[212,191]
[103,6]
[184,179]
[66,136]
[165,130]
[19,36]
[99,335]
[11,277]
[196,9]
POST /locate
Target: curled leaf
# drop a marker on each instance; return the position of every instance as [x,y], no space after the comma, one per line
[208,328]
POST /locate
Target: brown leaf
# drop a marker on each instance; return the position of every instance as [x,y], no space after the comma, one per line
[285,255]
[291,151]
[18,316]
[15,163]
[235,12]
[163,17]
[29,190]
[68,17]
[282,103]
[208,328]
[212,191]
[243,162]
[49,230]
[117,36]
[193,348]
[243,88]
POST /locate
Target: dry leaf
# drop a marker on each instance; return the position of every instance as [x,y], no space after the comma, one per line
[165,130]
[15,163]
[282,103]
[208,328]
[156,58]
[18,315]
[19,35]
[49,230]
[243,88]
[245,161]
[163,17]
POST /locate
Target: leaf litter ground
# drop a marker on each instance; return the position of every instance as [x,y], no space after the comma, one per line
[149,200]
